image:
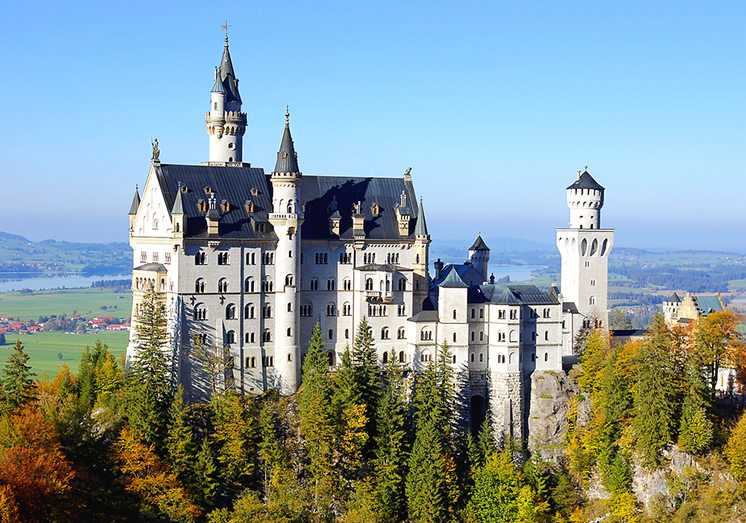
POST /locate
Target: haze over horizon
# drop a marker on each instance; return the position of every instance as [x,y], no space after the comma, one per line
[494,106]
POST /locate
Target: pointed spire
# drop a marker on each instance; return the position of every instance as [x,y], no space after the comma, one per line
[479,244]
[135,202]
[217,87]
[420,228]
[178,207]
[287,159]
[228,75]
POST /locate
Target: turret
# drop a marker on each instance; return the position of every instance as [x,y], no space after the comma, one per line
[479,256]
[177,215]
[421,263]
[286,218]
[585,198]
[225,123]
[133,209]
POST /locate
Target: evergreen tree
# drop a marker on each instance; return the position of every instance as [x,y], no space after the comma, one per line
[271,454]
[655,394]
[149,379]
[345,391]
[18,379]
[367,376]
[180,446]
[391,444]
[205,482]
[317,424]
[235,440]
[497,485]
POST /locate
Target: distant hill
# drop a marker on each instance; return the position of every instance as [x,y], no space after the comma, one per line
[19,255]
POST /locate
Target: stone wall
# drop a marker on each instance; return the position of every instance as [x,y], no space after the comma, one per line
[547,412]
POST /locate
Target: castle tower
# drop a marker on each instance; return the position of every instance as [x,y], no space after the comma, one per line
[286,217]
[584,247]
[225,123]
[421,248]
[479,256]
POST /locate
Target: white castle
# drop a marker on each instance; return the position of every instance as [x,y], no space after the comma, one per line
[251,261]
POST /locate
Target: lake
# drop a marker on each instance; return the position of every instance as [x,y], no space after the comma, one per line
[16,282]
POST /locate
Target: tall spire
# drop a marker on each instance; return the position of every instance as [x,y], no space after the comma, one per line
[135,202]
[420,228]
[178,207]
[227,74]
[287,159]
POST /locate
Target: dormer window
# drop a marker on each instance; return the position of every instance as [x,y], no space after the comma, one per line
[376,209]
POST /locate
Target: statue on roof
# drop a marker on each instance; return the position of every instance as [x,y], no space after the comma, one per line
[156,150]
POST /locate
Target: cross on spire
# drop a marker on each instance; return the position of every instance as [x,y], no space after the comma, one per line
[287,115]
[225,27]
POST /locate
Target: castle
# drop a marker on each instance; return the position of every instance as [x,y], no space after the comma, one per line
[250,262]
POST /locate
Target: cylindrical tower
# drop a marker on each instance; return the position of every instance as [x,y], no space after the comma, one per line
[286,217]
[585,198]
[479,256]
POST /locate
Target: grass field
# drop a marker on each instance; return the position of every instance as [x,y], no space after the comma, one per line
[43,348]
[87,302]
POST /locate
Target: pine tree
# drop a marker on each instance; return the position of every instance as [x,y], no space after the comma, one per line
[427,489]
[367,375]
[391,444]
[345,391]
[696,430]
[149,379]
[497,485]
[205,483]
[655,394]
[235,439]
[18,379]
[735,451]
[180,446]
[271,453]
[317,424]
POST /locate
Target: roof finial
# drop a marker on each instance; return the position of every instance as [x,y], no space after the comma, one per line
[287,115]
[225,27]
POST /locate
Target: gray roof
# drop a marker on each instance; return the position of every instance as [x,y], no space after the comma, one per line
[287,159]
[425,316]
[453,280]
[517,295]
[153,267]
[674,298]
[135,203]
[217,87]
[479,244]
[235,185]
[708,304]
[382,268]
[228,76]
[178,207]
[420,228]
[586,181]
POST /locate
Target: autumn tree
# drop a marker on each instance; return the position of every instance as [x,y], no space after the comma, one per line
[235,437]
[718,343]
[152,481]
[497,486]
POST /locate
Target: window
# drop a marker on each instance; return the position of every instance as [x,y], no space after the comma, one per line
[385,333]
[546,356]
[513,314]
[385,357]
[473,313]
[321,258]
[454,337]
[472,357]
[402,286]
[248,337]
[331,334]
[289,281]
[200,312]
[222,258]
[199,286]
[346,309]
[314,284]
[402,357]
[472,335]
[269,258]
[401,310]
[248,284]
[200,339]
[251,362]
[501,336]
[289,334]
[592,300]
[347,284]
[369,257]
[330,309]
[269,361]
[330,284]
[426,334]
[155,257]
[369,284]
[268,285]
[250,258]
[481,313]
[481,357]
[454,314]
[200,258]
[546,335]
[230,312]
[481,335]
[306,310]
[593,283]
[345,258]
[547,313]
[222,285]
[587,264]
[167,258]
[267,335]
[230,337]
[267,311]
[290,307]
[143,257]
[400,334]
[347,334]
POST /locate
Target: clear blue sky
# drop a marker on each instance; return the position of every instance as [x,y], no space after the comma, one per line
[495,106]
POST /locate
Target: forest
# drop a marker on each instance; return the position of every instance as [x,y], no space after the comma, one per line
[367,443]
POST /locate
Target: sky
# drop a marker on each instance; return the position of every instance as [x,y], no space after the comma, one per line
[494,105]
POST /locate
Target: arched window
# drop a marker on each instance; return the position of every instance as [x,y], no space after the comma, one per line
[426,334]
[385,334]
[346,309]
[347,284]
[330,284]
[268,285]
[385,357]
[369,284]
[289,282]
[331,334]
[330,309]
[230,312]
[200,312]
[546,356]
[402,284]
[267,335]
[289,332]
[592,300]
[199,286]
[248,311]
[267,311]
[248,284]
[402,357]
[454,337]
[222,285]
[400,334]
[290,307]
[546,335]
[472,335]
[454,314]
[230,337]
[481,335]
[200,258]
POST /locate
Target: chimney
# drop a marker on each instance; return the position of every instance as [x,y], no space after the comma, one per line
[438,268]
[492,278]
[358,220]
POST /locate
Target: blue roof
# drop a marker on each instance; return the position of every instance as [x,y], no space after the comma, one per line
[708,304]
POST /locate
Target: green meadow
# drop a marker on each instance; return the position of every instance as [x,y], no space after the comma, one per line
[87,302]
[44,348]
